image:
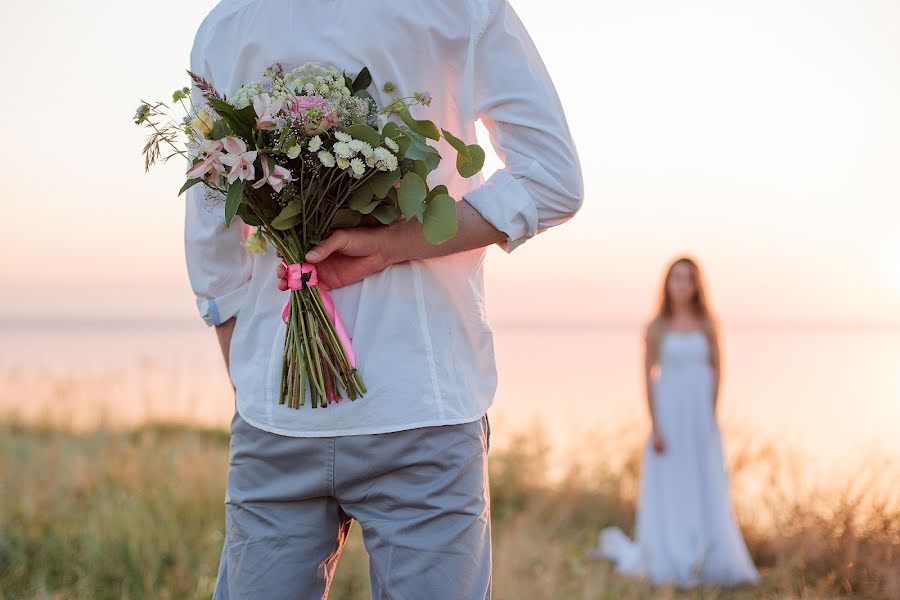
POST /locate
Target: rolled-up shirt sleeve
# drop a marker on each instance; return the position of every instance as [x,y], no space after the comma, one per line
[218,267]
[541,184]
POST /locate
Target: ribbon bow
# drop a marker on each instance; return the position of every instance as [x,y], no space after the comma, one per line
[295,281]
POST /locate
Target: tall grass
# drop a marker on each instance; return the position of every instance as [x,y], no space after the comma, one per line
[115,515]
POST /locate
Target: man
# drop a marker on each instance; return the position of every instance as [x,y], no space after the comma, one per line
[408,461]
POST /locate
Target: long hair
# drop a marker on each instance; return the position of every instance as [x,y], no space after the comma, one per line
[699,304]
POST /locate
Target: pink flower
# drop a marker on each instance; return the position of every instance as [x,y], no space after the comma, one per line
[277,178]
[210,152]
[313,113]
[239,159]
[266,111]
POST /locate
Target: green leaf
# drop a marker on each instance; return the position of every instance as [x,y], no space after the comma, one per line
[440,222]
[361,196]
[424,127]
[219,130]
[189,184]
[364,133]
[247,215]
[370,206]
[420,168]
[363,80]
[233,200]
[411,194]
[241,121]
[384,181]
[420,150]
[289,216]
[345,217]
[386,214]
[469,159]
[437,191]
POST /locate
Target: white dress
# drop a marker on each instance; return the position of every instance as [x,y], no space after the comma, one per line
[685,529]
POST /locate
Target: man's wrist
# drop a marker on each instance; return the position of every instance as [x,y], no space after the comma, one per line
[398,241]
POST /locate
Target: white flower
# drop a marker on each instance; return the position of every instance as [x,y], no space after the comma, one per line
[326,158]
[343,163]
[294,151]
[246,94]
[314,144]
[361,147]
[343,150]
[382,153]
[371,160]
[358,167]
[390,164]
[390,143]
[342,137]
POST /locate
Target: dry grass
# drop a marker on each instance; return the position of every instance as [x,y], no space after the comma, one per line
[141,514]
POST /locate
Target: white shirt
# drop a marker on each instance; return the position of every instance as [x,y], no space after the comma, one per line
[422,340]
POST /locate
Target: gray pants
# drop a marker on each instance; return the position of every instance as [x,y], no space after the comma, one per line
[421,497]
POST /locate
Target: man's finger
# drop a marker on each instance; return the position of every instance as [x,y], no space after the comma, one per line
[338,241]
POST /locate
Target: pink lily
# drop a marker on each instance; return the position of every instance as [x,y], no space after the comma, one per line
[277,178]
[266,111]
[239,159]
[210,150]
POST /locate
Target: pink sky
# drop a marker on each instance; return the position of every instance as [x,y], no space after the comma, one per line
[762,137]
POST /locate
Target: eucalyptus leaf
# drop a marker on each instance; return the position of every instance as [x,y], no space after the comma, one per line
[386,214]
[384,181]
[424,127]
[420,168]
[469,159]
[233,200]
[411,194]
[364,133]
[289,216]
[345,217]
[367,209]
[361,197]
[440,222]
[437,191]
[189,184]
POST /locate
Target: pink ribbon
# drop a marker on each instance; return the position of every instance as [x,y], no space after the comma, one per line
[295,273]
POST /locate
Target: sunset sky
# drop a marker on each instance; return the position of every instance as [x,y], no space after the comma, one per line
[762,137]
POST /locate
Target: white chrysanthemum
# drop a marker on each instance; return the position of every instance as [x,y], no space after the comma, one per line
[361,147]
[342,137]
[389,164]
[294,151]
[358,166]
[382,153]
[343,150]
[342,163]
[326,158]
[390,143]
[314,144]
[372,160]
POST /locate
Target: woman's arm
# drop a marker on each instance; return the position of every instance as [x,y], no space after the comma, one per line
[715,363]
[651,357]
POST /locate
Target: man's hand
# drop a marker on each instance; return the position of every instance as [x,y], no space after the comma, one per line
[349,255]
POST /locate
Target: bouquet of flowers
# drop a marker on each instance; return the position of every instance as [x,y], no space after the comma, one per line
[297,155]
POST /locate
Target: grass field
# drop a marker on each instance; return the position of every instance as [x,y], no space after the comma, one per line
[128,515]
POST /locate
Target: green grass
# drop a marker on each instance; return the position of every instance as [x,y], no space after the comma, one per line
[116,515]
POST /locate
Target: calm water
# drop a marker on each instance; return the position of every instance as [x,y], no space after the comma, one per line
[831,395]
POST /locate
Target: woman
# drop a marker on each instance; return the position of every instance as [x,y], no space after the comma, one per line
[685,530]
